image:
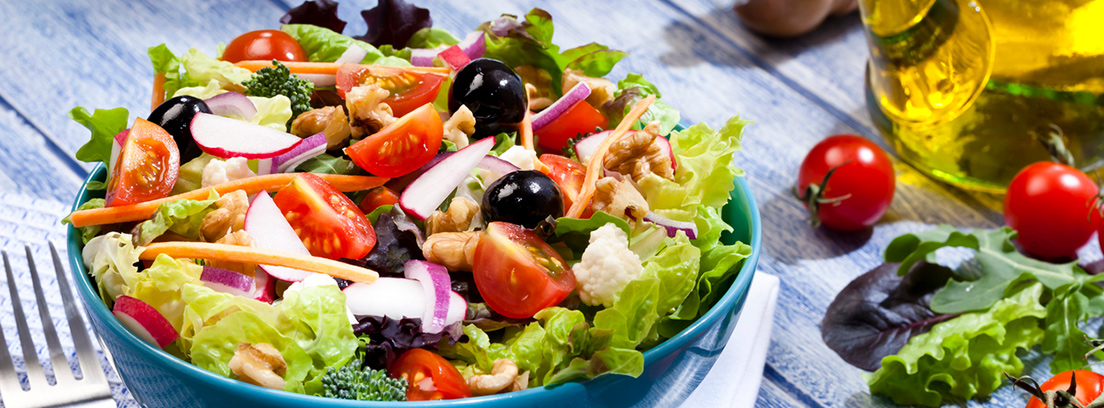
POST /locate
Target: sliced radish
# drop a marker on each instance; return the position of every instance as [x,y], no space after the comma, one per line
[430,189]
[672,226]
[320,80]
[227,281]
[666,146]
[270,230]
[454,57]
[117,143]
[474,44]
[231,104]
[145,321]
[352,55]
[225,138]
[586,147]
[310,147]
[577,93]
[397,298]
[264,287]
[437,286]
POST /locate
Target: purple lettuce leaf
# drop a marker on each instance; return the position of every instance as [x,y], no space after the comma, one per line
[393,22]
[322,13]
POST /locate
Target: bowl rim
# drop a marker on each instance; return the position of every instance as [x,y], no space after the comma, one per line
[739,288]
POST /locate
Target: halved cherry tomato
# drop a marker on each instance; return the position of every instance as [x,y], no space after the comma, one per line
[409,90]
[580,118]
[265,45]
[1089,386]
[327,221]
[517,273]
[146,168]
[429,376]
[378,197]
[567,173]
[401,147]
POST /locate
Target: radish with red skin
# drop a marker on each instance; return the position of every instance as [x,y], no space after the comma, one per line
[270,230]
[429,190]
[226,281]
[308,148]
[145,321]
[264,287]
[231,103]
[225,138]
[454,57]
[397,298]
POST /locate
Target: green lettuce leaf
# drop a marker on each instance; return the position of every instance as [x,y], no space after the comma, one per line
[575,232]
[190,176]
[181,217]
[88,232]
[110,260]
[705,173]
[326,163]
[165,62]
[324,45]
[963,357]
[202,69]
[162,286]
[631,90]
[274,112]
[213,347]
[432,37]
[104,124]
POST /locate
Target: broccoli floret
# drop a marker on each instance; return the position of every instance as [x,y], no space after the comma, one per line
[269,82]
[356,382]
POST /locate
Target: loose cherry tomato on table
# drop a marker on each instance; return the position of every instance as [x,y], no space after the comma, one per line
[265,45]
[409,90]
[327,221]
[146,168]
[517,273]
[858,191]
[429,376]
[1089,386]
[402,146]
[580,118]
[567,173]
[1048,204]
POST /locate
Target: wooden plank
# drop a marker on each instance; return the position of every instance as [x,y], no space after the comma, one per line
[93,53]
[26,165]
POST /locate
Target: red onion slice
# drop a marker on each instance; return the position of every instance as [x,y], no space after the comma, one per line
[673,226]
[423,57]
[438,290]
[474,44]
[231,104]
[577,93]
[226,281]
[288,161]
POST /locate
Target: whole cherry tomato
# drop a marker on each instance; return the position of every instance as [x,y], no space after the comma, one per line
[264,45]
[1048,204]
[1089,386]
[846,182]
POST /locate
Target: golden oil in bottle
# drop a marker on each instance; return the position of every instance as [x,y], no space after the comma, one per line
[962,88]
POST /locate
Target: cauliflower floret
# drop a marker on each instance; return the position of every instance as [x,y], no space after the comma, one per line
[222,171]
[607,266]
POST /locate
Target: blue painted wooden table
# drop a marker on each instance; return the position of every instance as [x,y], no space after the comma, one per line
[55,55]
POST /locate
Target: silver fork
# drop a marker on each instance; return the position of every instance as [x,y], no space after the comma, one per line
[91,391]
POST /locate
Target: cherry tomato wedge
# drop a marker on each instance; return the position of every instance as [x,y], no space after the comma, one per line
[429,376]
[568,174]
[327,221]
[1048,205]
[409,90]
[146,168]
[1089,386]
[378,197]
[580,118]
[401,147]
[517,273]
[860,189]
[265,45]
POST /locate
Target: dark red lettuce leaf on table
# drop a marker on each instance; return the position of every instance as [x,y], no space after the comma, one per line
[878,312]
[388,338]
[322,13]
[393,22]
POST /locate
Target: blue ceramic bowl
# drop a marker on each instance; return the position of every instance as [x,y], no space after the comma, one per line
[671,370]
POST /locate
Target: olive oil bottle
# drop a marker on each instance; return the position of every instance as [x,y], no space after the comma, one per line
[964,89]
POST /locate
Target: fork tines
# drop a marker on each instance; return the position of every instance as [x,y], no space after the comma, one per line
[92,388]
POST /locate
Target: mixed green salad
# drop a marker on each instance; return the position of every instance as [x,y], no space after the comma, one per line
[407,214]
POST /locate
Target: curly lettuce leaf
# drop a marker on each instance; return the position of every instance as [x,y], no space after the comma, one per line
[110,259]
[104,124]
[963,357]
[213,347]
[181,217]
[324,45]
[631,90]
[705,172]
[90,231]
[190,176]
[162,286]
[432,37]
[201,69]
[393,22]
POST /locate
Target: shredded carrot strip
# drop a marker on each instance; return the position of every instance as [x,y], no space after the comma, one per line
[237,253]
[526,131]
[594,166]
[326,68]
[158,90]
[252,185]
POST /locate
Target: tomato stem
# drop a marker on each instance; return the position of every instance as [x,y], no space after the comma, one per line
[1055,145]
[813,196]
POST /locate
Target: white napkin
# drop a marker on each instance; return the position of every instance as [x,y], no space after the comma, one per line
[734,379]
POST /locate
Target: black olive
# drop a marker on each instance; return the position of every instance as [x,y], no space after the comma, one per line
[523,197]
[175,116]
[493,92]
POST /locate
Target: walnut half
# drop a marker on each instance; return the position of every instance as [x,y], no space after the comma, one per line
[454,250]
[458,218]
[228,216]
[259,364]
[638,154]
[330,121]
[367,113]
[502,376]
[618,198]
